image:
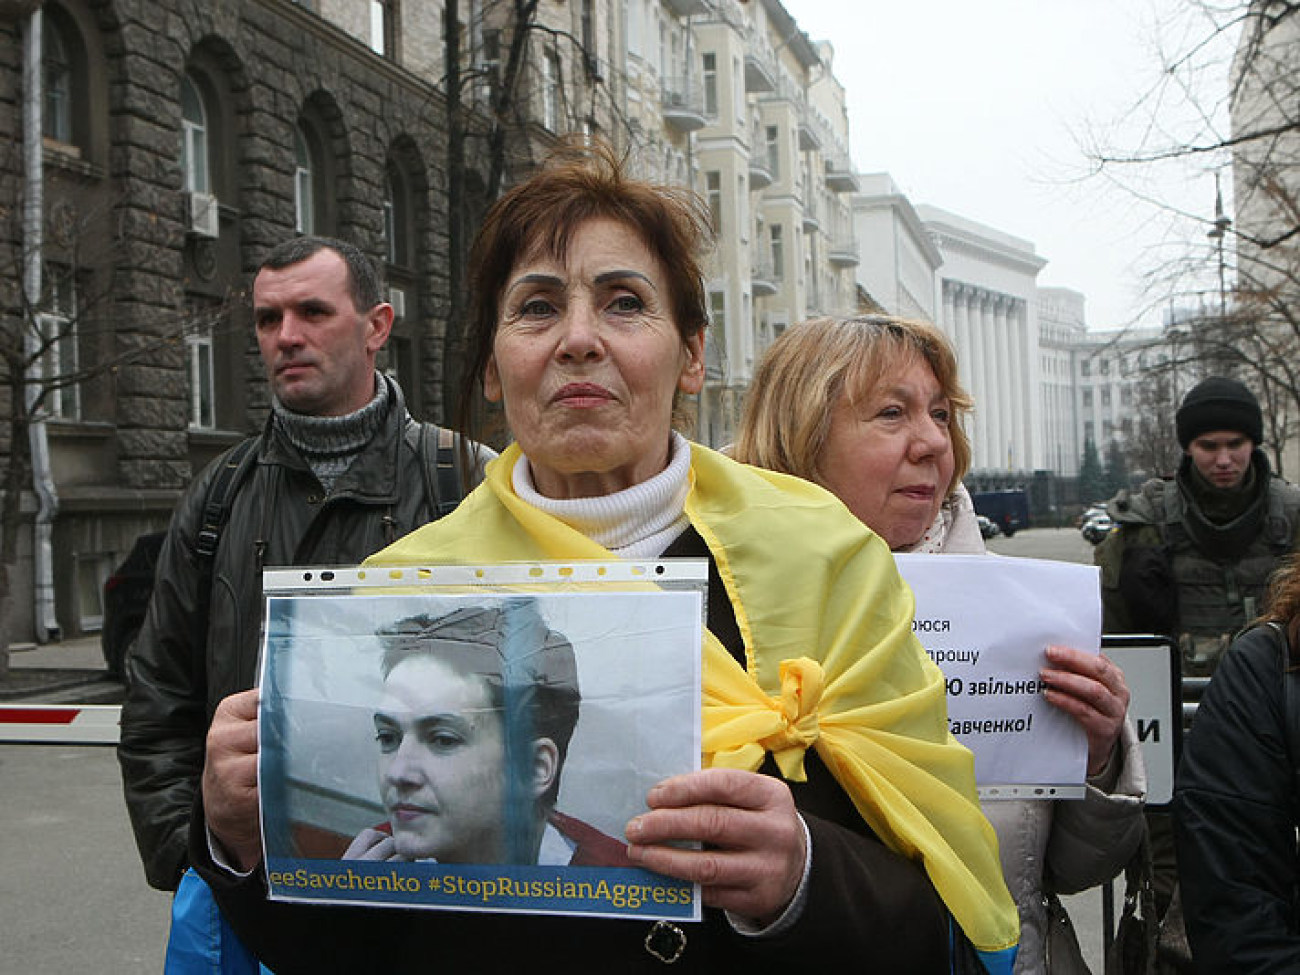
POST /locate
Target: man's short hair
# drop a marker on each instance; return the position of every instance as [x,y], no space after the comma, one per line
[364,280]
[529,669]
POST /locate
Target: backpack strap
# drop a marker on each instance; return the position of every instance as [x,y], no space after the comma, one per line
[216,505]
[442,482]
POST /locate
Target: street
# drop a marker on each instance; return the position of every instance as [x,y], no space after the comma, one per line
[72,891]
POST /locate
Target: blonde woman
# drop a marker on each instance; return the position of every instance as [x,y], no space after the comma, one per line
[871,408]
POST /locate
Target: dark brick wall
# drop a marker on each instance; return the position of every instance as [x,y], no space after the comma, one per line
[270,61]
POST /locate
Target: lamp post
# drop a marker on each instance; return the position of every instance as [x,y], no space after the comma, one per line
[1216,233]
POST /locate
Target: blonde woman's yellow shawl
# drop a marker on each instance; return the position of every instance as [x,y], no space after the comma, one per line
[832,663]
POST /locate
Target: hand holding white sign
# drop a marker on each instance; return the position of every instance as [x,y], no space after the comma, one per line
[987,621]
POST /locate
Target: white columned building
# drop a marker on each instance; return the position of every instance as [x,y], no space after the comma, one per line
[986,292]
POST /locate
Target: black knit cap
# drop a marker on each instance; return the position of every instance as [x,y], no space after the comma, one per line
[1218,403]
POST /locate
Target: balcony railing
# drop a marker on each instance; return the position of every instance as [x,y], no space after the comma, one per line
[843,252]
[840,177]
[762,279]
[683,104]
[760,177]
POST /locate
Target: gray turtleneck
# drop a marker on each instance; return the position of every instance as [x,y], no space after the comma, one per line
[329,444]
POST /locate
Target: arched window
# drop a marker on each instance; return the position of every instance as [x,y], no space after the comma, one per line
[194,138]
[397,218]
[57,118]
[303,184]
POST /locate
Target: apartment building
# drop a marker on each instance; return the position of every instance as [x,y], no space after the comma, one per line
[175,143]
[773,164]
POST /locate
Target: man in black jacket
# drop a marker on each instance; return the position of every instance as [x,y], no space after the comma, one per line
[340,470]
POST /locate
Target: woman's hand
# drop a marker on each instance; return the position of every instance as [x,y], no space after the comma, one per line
[754,842]
[1093,691]
[372,844]
[230,802]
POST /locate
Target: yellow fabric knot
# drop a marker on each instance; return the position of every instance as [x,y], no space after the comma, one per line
[801,691]
[742,724]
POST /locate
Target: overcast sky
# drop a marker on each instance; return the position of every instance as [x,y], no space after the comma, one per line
[979,108]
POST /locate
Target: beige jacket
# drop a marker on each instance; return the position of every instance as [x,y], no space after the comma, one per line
[1071,845]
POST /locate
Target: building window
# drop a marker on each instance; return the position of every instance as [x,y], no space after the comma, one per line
[1085,367]
[304,197]
[57,115]
[711,85]
[57,327]
[1087,398]
[552,91]
[1105,396]
[383,27]
[713,193]
[194,141]
[778,250]
[1105,367]
[588,28]
[202,383]
[773,136]
[1088,429]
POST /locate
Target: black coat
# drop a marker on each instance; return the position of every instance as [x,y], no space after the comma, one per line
[1236,810]
[865,904]
[184,663]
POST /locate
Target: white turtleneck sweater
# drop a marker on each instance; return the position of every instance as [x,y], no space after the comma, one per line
[637,523]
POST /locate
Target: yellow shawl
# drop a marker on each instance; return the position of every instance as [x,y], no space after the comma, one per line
[832,662]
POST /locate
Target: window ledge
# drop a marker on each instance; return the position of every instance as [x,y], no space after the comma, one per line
[67,157]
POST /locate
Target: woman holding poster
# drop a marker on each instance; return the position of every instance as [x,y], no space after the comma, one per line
[834,817]
[871,408]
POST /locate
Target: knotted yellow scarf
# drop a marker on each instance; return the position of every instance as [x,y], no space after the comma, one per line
[831,662]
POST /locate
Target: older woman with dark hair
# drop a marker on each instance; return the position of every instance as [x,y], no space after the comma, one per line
[872,408]
[834,817]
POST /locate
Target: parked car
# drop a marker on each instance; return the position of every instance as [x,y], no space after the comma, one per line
[1092,511]
[126,599]
[988,527]
[1095,529]
[1008,509]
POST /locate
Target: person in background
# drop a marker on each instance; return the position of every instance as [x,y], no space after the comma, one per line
[339,471]
[1191,556]
[836,816]
[1237,799]
[871,408]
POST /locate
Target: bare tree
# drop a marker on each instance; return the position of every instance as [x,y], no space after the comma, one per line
[493,132]
[42,368]
[1244,273]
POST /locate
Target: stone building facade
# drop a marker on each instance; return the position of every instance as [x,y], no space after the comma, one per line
[178,141]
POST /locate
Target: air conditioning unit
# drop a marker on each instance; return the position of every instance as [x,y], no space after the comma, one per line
[205,215]
[397,298]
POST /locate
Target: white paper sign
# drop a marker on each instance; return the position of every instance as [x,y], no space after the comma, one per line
[987,621]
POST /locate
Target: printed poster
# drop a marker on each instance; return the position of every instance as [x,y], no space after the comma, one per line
[475,751]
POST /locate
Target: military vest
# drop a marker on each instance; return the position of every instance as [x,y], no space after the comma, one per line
[1219,596]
